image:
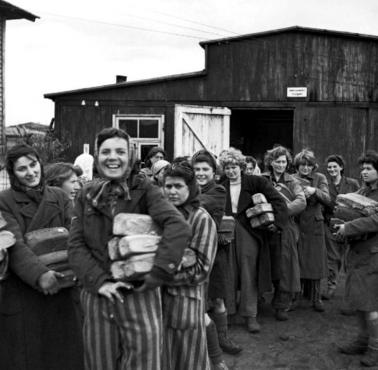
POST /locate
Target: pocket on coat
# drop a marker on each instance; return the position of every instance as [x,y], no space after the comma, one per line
[182,310]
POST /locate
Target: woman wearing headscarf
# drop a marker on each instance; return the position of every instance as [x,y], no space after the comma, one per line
[184,302]
[312,247]
[122,324]
[362,268]
[213,199]
[38,323]
[155,154]
[284,243]
[249,256]
[338,183]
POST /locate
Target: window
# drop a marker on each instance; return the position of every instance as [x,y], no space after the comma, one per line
[146,131]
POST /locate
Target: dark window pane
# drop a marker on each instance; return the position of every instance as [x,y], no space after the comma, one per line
[149,128]
[130,126]
[144,149]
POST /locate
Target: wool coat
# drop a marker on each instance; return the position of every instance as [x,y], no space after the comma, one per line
[361,286]
[37,331]
[312,248]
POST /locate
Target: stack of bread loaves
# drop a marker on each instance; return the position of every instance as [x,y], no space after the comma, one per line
[261,214]
[134,244]
[352,205]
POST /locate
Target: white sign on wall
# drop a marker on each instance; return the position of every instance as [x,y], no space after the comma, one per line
[296,92]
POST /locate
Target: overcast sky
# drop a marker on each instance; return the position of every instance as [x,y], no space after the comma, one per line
[83,43]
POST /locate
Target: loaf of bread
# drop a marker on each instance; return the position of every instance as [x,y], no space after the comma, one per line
[47,240]
[263,220]
[113,248]
[259,209]
[134,224]
[363,206]
[7,239]
[133,268]
[135,244]
[258,198]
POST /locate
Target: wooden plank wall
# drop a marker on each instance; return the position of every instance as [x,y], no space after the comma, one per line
[2,113]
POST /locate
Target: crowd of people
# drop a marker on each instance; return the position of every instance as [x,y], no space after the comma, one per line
[175,317]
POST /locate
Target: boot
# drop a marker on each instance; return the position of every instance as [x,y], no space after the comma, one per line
[317,302]
[225,342]
[329,294]
[357,347]
[252,325]
[370,358]
[213,348]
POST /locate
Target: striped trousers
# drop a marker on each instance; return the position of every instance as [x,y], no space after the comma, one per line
[185,344]
[123,335]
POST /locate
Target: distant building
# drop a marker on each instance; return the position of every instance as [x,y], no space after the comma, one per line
[17,134]
[299,87]
[7,12]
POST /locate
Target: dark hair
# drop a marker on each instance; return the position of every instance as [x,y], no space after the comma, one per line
[205,156]
[370,157]
[110,132]
[306,156]
[338,159]
[57,173]
[250,159]
[153,151]
[274,153]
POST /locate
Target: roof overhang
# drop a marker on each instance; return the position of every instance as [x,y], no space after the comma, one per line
[9,11]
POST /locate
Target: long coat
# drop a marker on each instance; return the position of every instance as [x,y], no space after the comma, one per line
[312,246]
[37,331]
[251,185]
[362,262]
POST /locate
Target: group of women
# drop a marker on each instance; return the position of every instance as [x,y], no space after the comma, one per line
[176,317]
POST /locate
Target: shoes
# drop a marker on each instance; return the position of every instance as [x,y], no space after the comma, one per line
[357,347]
[281,315]
[252,325]
[219,366]
[318,306]
[370,358]
[329,294]
[228,345]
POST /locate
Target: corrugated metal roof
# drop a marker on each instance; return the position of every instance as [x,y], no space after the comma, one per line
[10,11]
[25,129]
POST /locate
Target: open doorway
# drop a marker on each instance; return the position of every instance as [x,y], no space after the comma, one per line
[254,131]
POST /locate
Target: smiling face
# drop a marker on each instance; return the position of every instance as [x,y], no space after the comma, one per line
[71,186]
[334,169]
[369,174]
[113,158]
[204,173]
[232,171]
[305,169]
[279,165]
[176,190]
[27,169]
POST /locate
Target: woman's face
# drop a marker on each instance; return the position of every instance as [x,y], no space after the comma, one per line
[368,173]
[249,169]
[204,173]
[279,165]
[176,190]
[305,169]
[27,169]
[157,157]
[113,158]
[232,171]
[334,169]
[71,186]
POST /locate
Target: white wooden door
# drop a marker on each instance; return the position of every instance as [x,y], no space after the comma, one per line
[201,127]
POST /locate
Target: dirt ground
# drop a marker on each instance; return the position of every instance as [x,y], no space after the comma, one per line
[306,341]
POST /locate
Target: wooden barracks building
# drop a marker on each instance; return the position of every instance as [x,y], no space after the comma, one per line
[300,87]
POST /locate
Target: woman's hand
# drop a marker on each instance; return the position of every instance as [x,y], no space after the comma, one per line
[48,282]
[3,253]
[340,233]
[308,191]
[110,290]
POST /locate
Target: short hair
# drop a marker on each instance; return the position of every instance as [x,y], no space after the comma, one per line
[109,133]
[306,156]
[183,170]
[205,156]
[153,151]
[57,173]
[338,159]
[18,151]
[232,156]
[370,157]
[275,153]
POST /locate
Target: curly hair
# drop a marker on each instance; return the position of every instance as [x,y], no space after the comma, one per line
[274,153]
[57,173]
[370,157]
[232,156]
[305,156]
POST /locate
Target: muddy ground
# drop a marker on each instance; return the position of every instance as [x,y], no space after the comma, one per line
[307,341]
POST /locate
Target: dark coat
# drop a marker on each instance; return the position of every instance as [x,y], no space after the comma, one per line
[251,185]
[92,228]
[38,331]
[312,247]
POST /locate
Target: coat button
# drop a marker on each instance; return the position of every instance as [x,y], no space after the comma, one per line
[171,266]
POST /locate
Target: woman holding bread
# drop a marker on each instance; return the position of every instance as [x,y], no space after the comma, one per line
[249,260]
[284,244]
[312,248]
[38,324]
[184,301]
[122,324]
[361,284]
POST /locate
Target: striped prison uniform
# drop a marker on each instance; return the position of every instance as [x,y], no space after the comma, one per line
[123,335]
[185,345]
